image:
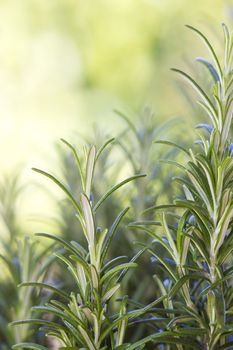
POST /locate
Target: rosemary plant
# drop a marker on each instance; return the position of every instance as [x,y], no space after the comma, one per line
[20,262]
[143,156]
[82,317]
[192,242]
[106,173]
[139,136]
[199,242]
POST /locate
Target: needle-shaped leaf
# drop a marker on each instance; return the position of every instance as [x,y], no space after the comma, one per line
[60,240]
[87,338]
[89,220]
[59,184]
[201,92]
[165,337]
[45,286]
[100,151]
[116,270]
[172,144]
[77,160]
[210,67]
[114,188]
[56,312]
[90,170]
[35,321]
[210,48]
[227,43]
[110,293]
[112,232]
[32,346]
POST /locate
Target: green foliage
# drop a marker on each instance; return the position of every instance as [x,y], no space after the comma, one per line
[132,150]
[199,243]
[84,312]
[20,263]
[190,242]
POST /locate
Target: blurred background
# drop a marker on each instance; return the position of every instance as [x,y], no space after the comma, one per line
[65,66]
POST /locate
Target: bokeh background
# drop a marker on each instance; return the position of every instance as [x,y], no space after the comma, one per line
[65,66]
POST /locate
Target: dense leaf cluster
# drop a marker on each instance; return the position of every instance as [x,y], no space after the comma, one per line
[192,243]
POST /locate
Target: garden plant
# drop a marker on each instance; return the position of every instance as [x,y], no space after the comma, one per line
[23,263]
[190,244]
[198,242]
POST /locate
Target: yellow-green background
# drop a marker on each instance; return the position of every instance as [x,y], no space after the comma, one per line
[66,64]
